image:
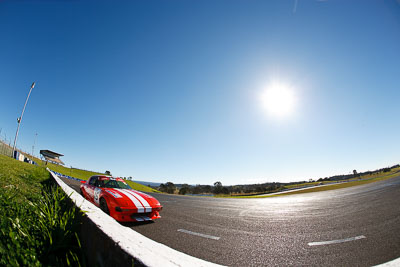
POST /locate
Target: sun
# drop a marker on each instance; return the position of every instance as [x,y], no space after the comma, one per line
[279,100]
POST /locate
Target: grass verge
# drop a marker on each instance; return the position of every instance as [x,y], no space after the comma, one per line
[140,187]
[85,175]
[38,223]
[77,173]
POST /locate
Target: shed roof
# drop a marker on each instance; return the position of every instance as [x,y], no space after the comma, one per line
[50,154]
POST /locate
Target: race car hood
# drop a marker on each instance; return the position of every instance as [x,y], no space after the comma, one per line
[129,197]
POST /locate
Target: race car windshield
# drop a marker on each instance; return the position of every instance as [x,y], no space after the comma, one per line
[113,184]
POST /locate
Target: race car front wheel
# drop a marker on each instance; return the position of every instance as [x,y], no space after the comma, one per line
[103,206]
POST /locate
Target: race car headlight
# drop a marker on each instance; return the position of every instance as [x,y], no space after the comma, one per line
[118,209]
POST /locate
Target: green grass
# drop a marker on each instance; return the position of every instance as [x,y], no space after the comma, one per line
[25,178]
[77,173]
[85,175]
[140,187]
[38,224]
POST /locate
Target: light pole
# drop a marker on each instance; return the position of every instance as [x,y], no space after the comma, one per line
[20,118]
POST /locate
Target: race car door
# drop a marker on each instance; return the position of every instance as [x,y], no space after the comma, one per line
[91,187]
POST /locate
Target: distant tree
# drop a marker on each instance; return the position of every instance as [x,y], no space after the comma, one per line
[272,187]
[247,190]
[163,188]
[108,173]
[225,190]
[218,188]
[259,189]
[356,174]
[196,189]
[207,189]
[170,187]
[237,189]
[184,189]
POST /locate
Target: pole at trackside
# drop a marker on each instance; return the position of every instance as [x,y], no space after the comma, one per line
[20,118]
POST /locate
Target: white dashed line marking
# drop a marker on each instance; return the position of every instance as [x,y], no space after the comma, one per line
[199,234]
[322,243]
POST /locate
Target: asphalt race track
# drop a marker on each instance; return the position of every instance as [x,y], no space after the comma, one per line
[356,226]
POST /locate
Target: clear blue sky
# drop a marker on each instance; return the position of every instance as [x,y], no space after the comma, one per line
[170,90]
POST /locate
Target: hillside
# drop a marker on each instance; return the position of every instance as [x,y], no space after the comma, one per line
[85,174]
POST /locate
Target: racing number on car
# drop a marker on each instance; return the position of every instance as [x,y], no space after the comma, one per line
[97,194]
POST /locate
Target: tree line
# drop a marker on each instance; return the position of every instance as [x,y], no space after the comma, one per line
[218,188]
[252,189]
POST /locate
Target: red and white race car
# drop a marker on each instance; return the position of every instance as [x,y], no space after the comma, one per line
[116,198]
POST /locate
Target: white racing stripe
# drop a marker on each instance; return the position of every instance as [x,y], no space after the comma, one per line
[199,234]
[137,203]
[144,202]
[321,243]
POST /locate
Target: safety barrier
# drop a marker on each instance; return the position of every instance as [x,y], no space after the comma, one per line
[106,242]
[66,176]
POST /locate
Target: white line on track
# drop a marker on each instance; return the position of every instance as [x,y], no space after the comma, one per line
[321,243]
[199,234]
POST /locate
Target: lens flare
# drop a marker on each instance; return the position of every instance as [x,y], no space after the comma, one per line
[279,100]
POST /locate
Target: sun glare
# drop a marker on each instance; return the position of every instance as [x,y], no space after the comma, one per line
[279,100]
